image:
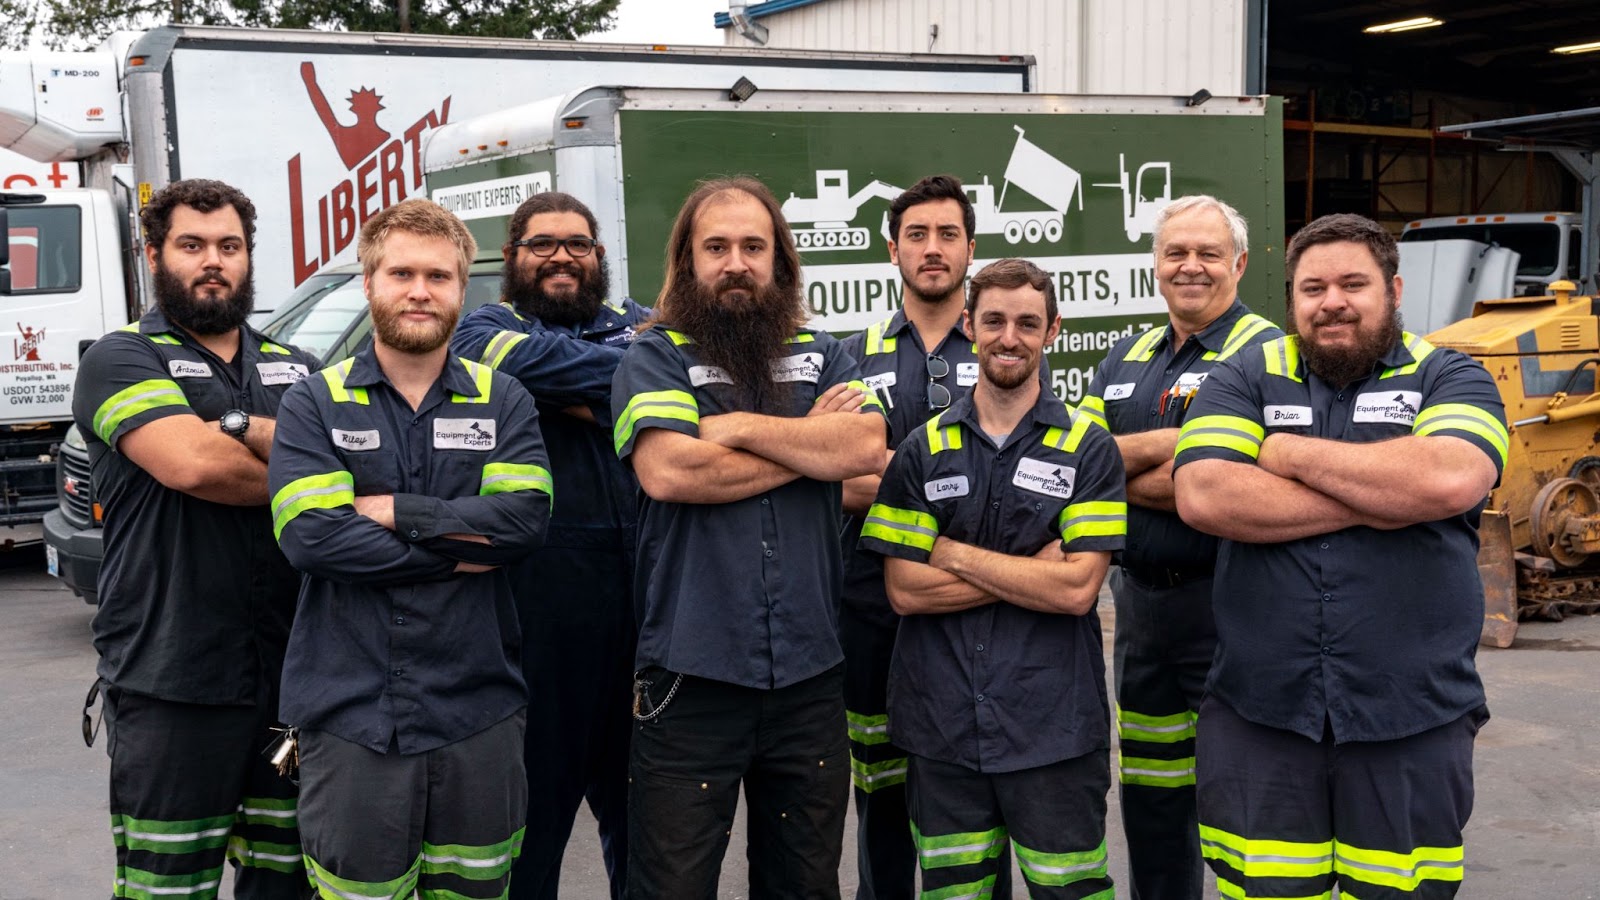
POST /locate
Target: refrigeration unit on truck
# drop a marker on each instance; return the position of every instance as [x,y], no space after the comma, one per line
[834,162]
[320,130]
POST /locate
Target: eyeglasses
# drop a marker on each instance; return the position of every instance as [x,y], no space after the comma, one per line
[938,394]
[91,725]
[545,245]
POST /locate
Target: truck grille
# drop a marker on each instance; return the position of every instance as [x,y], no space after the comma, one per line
[75,505]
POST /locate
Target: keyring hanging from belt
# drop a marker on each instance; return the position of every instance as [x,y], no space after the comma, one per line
[657,710]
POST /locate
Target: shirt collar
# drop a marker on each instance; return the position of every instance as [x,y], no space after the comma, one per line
[1215,335]
[1047,411]
[1400,354]
[365,372]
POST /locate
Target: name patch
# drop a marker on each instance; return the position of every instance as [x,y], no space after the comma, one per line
[1286,415]
[804,367]
[183,368]
[356,440]
[281,372]
[1393,407]
[1044,477]
[880,380]
[463,434]
[967,374]
[700,375]
[1119,391]
[954,486]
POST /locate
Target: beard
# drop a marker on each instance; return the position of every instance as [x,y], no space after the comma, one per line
[568,308]
[409,337]
[184,306]
[742,337]
[1007,378]
[1346,365]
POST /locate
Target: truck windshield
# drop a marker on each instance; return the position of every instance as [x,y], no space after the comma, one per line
[46,249]
[1538,243]
[316,321]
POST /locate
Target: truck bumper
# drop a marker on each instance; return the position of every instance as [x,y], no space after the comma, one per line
[74,554]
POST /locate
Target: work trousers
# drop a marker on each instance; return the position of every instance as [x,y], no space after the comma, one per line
[575,604]
[1165,638]
[445,824]
[886,858]
[190,786]
[787,747]
[1285,816]
[1053,815]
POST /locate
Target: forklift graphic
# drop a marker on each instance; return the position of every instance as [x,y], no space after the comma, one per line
[1139,206]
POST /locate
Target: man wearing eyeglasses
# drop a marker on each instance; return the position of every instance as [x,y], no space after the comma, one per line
[918,362]
[558,332]
[1165,634]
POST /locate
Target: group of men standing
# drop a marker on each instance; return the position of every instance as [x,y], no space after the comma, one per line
[1289,549]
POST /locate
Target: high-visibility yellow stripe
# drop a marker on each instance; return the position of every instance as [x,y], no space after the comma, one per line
[865,729]
[1165,773]
[501,477]
[938,851]
[1144,349]
[677,405]
[335,376]
[499,346]
[1095,408]
[942,437]
[1133,726]
[1248,326]
[279,349]
[1093,518]
[1266,859]
[1419,350]
[876,776]
[1443,418]
[869,397]
[1402,871]
[877,342]
[1228,432]
[1283,357]
[1057,869]
[483,379]
[133,400]
[326,491]
[905,527]
[678,337]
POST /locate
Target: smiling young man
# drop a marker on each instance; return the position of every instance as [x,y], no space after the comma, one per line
[1165,633]
[560,334]
[402,480]
[740,424]
[1344,467]
[178,410]
[997,521]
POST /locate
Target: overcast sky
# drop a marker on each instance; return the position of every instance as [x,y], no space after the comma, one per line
[665,22]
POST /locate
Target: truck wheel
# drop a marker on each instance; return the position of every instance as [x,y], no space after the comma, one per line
[1053,230]
[1557,504]
[1013,232]
[1033,231]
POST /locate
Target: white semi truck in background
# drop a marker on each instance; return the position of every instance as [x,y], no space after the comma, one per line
[320,130]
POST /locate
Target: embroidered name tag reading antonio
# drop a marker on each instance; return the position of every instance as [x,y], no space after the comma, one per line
[183,368]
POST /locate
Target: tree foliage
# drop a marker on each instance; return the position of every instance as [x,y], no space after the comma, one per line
[79,24]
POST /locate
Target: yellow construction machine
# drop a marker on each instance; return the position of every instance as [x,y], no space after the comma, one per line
[1542,524]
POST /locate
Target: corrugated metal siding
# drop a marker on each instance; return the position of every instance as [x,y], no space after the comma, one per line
[1131,46]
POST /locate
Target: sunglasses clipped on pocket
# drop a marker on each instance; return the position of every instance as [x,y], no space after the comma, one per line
[91,724]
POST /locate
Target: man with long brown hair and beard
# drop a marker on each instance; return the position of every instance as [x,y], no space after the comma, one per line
[739,424]
[1345,467]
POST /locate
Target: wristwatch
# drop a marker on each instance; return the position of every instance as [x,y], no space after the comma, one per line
[235,422]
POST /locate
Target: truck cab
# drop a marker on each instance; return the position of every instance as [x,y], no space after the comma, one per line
[1549,244]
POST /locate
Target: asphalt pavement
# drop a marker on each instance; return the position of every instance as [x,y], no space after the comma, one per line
[1535,831]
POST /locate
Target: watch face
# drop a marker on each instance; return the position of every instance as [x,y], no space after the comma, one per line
[233,421]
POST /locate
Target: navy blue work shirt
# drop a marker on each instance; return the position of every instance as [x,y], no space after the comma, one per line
[1000,688]
[744,592]
[599,505]
[1373,632]
[195,597]
[1145,384]
[390,645]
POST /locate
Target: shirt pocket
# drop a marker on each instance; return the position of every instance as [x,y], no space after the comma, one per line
[375,471]
[457,473]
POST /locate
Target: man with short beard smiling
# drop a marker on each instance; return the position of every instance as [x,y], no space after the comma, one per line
[402,480]
[554,330]
[739,424]
[1345,467]
[178,413]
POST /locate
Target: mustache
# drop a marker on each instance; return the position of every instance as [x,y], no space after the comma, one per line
[1344,317]
[736,280]
[549,269]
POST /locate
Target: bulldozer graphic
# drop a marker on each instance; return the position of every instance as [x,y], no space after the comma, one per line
[1047,179]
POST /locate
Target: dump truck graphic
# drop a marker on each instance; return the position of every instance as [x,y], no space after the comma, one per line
[1030,168]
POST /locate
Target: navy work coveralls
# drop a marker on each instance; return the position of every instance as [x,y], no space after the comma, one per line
[574,594]
[397,663]
[1165,634]
[1002,708]
[1338,724]
[195,606]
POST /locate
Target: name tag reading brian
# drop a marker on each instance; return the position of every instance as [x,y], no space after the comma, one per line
[463,434]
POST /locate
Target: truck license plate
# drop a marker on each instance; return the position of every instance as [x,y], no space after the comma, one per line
[52,561]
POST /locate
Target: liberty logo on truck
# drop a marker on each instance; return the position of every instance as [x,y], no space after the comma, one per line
[27,345]
[377,164]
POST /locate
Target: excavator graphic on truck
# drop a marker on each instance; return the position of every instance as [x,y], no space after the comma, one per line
[1045,178]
